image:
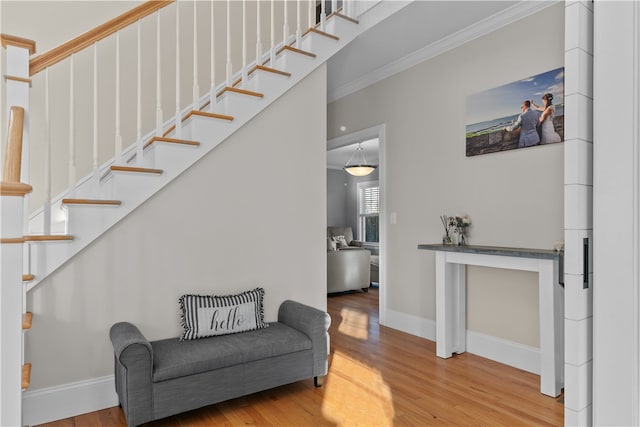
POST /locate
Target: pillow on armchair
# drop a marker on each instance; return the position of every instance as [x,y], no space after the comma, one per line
[340,241]
[331,245]
[346,232]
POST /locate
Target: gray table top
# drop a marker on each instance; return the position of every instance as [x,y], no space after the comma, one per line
[494,250]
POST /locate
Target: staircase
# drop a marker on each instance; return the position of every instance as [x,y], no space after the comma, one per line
[117,187]
[35,245]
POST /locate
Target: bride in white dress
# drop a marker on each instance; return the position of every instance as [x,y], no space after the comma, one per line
[549,134]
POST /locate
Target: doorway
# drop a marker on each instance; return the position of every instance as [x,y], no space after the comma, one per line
[365,216]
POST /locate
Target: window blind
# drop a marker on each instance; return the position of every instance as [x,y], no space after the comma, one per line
[369,201]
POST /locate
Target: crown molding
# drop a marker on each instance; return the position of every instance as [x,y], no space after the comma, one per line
[488,25]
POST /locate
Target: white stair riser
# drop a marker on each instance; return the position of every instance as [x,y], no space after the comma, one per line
[168,156]
[83,219]
[135,188]
[318,43]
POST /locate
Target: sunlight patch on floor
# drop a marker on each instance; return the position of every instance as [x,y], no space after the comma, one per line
[356,394]
[355,323]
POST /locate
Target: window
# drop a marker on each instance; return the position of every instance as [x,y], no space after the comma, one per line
[369,212]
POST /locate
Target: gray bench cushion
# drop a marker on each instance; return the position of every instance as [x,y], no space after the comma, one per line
[173,358]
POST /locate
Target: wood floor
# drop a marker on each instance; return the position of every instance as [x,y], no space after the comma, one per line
[378,377]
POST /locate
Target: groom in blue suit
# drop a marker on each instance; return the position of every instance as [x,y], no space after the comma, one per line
[528,122]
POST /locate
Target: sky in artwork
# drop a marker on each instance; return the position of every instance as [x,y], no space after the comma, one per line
[505,100]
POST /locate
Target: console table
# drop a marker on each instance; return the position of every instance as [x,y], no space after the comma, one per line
[451,301]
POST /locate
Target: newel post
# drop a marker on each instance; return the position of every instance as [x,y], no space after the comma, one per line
[12,227]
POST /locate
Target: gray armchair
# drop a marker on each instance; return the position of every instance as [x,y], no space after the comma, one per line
[348,270]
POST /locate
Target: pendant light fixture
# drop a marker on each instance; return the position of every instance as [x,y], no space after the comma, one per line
[360,167]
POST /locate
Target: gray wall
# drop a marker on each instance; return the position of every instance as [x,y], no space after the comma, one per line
[203,233]
[342,198]
[336,197]
[352,199]
[514,198]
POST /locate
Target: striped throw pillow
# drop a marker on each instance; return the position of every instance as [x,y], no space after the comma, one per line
[209,315]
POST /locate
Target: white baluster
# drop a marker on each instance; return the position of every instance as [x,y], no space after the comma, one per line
[298,24]
[47,156]
[178,118]
[118,139]
[244,43]
[72,133]
[95,110]
[311,13]
[196,87]
[334,6]
[272,56]
[139,145]
[158,79]
[323,13]
[212,92]
[258,36]
[285,26]
[229,66]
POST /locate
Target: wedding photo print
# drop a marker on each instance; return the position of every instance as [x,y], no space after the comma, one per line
[520,114]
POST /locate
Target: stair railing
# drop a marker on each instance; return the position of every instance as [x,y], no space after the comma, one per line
[92,95]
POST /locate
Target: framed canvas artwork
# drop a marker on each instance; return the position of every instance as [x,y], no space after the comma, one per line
[524,113]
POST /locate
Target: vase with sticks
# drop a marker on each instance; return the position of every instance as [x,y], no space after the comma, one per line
[447,223]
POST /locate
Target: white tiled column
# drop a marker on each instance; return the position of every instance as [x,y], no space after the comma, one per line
[578,208]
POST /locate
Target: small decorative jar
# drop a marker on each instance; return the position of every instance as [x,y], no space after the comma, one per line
[446,239]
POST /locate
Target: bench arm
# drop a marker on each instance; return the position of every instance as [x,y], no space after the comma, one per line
[314,323]
[133,372]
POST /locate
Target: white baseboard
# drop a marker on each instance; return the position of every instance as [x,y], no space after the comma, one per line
[68,400]
[504,351]
[414,325]
[508,352]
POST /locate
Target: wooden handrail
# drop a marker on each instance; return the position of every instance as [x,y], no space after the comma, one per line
[13,156]
[67,49]
[9,40]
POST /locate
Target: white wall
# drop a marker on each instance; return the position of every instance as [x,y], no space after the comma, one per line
[213,230]
[514,198]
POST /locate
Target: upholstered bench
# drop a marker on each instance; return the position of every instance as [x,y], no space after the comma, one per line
[162,378]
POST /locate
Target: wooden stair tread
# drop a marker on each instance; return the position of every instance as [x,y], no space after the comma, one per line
[254,69]
[210,115]
[241,92]
[28,277]
[47,237]
[199,113]
[270,70]
[91,202]
[26,375]
[296,50]
[340,15]
[172,141]
[322,33]
[26,320]
[135,169]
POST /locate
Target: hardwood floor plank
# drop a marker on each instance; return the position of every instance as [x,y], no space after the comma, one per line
[378,377]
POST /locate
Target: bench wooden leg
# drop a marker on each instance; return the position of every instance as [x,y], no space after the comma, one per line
[318,381]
